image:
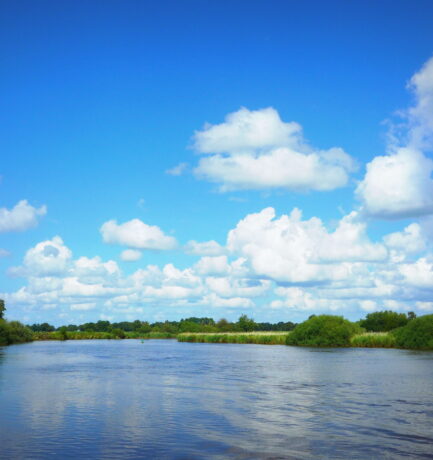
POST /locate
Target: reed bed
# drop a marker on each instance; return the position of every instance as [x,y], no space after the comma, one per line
[73,335]
[263,338]
[150,335]
[374,340]
[88,335]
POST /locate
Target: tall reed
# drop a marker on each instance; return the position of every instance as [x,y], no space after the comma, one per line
[264,338]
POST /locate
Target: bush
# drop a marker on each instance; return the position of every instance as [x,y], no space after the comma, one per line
[383,321]
[417,334]
[14,332]
[323,331]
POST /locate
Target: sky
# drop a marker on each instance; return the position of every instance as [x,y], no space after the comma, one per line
[161,160]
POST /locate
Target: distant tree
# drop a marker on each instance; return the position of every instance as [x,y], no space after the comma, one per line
[224,326]
[246,324]
[145,327]
[383,321]
[63,333]
[2,308]
[119,333]
[411,315]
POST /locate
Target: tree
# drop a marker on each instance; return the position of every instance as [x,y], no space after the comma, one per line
[411,315]
[383,321]
[223,325]
[2,308]
[323,331]
[246,324]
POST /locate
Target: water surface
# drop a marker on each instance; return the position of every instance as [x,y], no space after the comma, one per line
[168,400]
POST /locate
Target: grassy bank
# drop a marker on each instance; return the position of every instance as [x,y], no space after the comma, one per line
[87,335]
[373,340]
[263,338]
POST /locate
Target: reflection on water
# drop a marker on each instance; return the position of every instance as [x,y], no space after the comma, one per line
[164,399]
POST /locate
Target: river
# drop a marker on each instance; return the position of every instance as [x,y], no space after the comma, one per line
[124,399]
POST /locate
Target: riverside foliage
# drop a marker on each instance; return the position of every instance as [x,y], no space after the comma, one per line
[14,332]
[263,338]
[324,331]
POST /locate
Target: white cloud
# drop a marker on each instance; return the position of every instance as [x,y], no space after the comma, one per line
[130,255]
[421,114]
[399,184]
[257,150]
[83,306]
[21,217]
[212,265]
[410,240]
[207,248]
[234,302]
[48,258]
[4,253]
[136,234]
[177,170]
[418,274]
[290,249]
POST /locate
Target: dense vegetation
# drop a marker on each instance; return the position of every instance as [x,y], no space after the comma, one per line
[324,331]
[416,335]
[384,321]
[386,329]
[264,338]
[12,331]
[193,324]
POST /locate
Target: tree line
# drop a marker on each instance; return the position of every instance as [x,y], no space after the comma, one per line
[192,324]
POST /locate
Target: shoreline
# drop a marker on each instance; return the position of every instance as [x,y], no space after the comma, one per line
[365,340]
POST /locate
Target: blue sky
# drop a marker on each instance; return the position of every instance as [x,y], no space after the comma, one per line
[324,107]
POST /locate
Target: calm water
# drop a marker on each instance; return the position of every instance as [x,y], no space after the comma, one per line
[170,400]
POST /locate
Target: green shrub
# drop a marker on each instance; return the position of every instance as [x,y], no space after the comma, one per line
[323,331]
[14,332]
[383,321]
[417,334]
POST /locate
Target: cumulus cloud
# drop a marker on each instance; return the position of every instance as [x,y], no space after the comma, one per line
[206,248]
[136,234]
[410,240]
[302,251]
[21,217]
[130,255]
[257,150]
[47,258]
[399,184]
[277,262]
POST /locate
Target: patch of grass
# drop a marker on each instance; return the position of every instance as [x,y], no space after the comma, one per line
[263,338]
[373,340]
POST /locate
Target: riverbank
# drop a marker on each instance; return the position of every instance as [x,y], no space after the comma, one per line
[262,338]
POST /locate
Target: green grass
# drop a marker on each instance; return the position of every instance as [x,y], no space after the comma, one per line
[150,335]
[373,340]
[263,338]
[83,335]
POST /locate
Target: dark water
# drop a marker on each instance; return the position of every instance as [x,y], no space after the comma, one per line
[169,400]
